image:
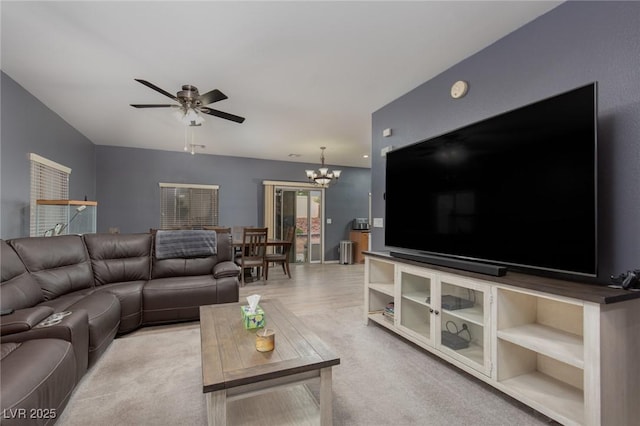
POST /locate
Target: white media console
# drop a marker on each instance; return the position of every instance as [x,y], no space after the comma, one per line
[569,350]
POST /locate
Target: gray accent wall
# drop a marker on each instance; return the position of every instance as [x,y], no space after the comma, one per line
[28,126]
[572,45]
[129,194]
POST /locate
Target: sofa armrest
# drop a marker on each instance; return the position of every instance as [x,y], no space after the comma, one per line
[24,319]
[73,328]
[226,269]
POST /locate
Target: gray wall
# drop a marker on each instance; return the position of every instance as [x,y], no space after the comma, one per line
[129,196]
[574,44]
[28,126]
[124,181]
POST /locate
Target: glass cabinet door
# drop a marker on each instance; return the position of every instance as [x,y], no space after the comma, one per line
[464,321]
[416,311]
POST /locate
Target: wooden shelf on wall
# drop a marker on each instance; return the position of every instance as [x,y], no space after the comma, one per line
[66,203]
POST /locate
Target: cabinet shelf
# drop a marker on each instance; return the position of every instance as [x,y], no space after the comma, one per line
[419,297]
[557,344]
[549,395]
[382,288]
[420,330]
[474,352]
[379,272]
[382,320]
[474,314]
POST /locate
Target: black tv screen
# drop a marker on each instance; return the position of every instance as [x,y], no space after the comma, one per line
[516,189]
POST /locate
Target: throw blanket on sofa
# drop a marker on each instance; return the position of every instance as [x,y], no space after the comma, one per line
[185,244]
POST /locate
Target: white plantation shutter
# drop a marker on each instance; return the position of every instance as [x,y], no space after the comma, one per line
[49,181]
[188,205]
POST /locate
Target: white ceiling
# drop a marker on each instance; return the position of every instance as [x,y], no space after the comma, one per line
[305,74]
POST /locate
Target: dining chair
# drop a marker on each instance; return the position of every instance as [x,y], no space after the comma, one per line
[283,256]
[252,254]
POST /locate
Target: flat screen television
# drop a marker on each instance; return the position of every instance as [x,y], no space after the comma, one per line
[518,189]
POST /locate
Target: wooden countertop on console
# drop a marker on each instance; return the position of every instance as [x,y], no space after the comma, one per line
[576,290]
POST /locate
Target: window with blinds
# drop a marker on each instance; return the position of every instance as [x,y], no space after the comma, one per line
[49,181]
[188,205]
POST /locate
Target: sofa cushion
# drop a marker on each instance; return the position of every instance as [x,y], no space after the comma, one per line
[60,265]
[103,309]
[227,290]
[119,258]
[36,375]
[130,296]
[62,303]
[18,289]
[178,267]
[178,298]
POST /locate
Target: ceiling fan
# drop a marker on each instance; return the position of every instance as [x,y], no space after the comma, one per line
[190,103]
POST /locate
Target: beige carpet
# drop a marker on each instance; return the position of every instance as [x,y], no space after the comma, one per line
[153,377]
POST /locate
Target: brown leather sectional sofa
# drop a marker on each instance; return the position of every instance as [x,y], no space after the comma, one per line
[72,295]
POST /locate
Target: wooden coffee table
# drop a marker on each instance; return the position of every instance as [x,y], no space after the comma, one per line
[233,368]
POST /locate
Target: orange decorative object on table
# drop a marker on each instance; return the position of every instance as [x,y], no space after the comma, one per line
[265,340]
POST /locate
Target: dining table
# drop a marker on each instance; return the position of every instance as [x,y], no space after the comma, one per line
[271,242]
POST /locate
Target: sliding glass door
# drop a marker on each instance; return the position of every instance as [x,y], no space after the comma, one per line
[303,209]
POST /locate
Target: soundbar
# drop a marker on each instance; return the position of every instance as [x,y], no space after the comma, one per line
[464,265]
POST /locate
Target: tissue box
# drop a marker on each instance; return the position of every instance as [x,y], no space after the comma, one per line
[255,320]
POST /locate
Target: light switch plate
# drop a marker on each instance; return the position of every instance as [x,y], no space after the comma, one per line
[378,222]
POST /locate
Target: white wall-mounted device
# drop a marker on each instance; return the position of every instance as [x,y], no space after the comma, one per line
[459,89]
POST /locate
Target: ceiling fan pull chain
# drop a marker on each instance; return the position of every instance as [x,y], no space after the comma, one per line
[186,130]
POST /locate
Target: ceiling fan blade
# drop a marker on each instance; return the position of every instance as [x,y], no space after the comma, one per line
[221,114]
[156,88]
[153,105]
[213,96]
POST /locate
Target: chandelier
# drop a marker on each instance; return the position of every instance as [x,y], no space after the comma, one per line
[322,176]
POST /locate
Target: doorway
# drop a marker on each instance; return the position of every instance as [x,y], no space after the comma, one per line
[301,208]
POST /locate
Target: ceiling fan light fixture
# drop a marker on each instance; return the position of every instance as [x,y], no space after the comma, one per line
[190,117]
